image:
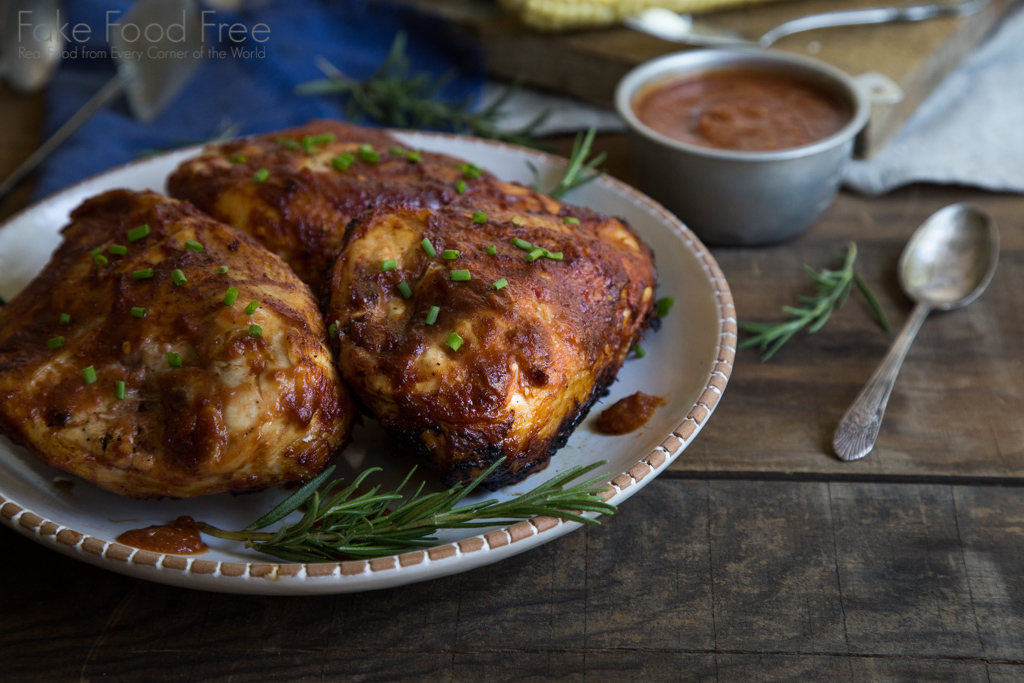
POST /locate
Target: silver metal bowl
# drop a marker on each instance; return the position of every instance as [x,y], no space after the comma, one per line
[742,198]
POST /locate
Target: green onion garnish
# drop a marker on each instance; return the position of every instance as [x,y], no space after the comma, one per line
[237,159]
[396,151]
[230,297]
[261,175]
[460,275]
[492,250]
[289,144]
[471,171]
[414,157]
[89,375]
[143,274]
[522,244]
[571,221]
[222,270]
[450,254]
[119,390]
[56,342]
[138,312]
[100,260]
[332,330]
[117,250]
[174,360]
[310,141]
[65,319]
[178,277]
[255,331]
[454,341]
[192,245]
[367,154]
[460,186]
[500,283]
[535,254]
[251,308]
[517,220]
[479,217]
[553,255]
[428,247]
[432,315]
[639,351]
[136,234]
[664,305]
[404,288]
[343,161]
[388,264]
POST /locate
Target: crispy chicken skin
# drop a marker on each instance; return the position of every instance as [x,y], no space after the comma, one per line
[300,211]
[241,413]
[536,353]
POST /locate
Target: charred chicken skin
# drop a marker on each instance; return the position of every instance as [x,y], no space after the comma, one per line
[534,316]
[295,191]
[135,360]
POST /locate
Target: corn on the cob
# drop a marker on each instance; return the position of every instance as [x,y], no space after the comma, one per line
[557,15]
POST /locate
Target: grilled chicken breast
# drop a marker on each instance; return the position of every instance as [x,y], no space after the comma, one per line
[295,191]
[123,363]
[515,355]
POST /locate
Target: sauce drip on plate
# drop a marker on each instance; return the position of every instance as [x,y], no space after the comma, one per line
[628,414]
[181,537]
[742,110]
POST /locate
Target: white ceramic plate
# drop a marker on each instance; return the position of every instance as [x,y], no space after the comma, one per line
[688,362]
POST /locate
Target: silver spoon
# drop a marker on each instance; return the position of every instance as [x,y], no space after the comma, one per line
[32,42]
[682,28]
[947,263]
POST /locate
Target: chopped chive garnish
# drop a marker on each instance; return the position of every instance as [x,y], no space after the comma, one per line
[571,221]
[460,186]
[261,175]
[192,245]
[237,159]
[450,254]
[89,375]
[388,264]
[428,247]
[522,244]
[178,277]
[311,141]
[471,171]
[174,360]
[119,390]
[414,157]
[230,297]
[517,220]
[65,319]
[367,154]
[500,283]
[222,270]
[553,255]
[639,351]
[288,143]
[343,161]
[432,315]
[454,341]
[255,331]
[535,254]
[404,288]
[251,308]
[479,217]
[396,151]
[95,252]
[117,250]
[138,312]
[664,305]
[332,330]
[461,276]
[136,234]
[143,274]
[100,260]
[492,250]
[55,343]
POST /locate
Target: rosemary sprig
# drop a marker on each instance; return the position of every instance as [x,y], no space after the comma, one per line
[338,521]
[579,172]
[394,96]
[833,290]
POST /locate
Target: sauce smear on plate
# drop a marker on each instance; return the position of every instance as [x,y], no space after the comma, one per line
[628,414]
[181,537]
[743,110]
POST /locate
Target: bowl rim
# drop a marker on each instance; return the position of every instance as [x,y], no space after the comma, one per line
[696,61]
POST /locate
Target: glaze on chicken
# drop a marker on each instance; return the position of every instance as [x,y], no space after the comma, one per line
[507,369]
[248,398]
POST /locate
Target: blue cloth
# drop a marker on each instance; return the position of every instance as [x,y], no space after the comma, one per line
[252,95]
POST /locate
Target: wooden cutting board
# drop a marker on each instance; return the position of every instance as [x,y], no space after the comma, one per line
[588,64]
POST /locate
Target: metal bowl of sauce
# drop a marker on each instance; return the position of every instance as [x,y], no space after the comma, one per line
[746,146]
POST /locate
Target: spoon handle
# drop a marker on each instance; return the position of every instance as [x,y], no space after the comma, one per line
[857,431]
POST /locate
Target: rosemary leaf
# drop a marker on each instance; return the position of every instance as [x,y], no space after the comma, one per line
[579,172]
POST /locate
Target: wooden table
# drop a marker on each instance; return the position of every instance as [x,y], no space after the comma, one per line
[757,556]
